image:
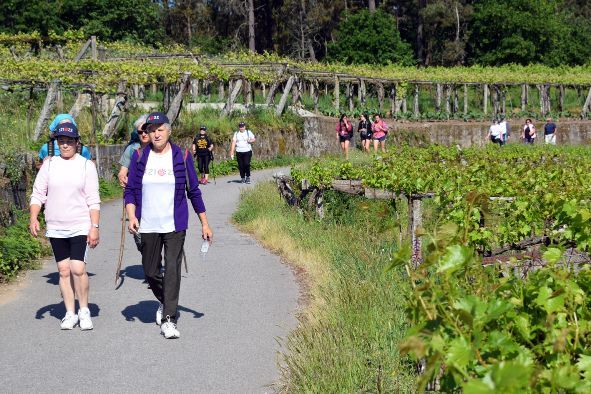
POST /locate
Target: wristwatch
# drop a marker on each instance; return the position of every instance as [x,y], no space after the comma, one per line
[95,225]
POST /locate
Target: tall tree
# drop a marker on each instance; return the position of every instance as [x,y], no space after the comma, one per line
[528,31]
[251,35]
[366,38]
[444,28]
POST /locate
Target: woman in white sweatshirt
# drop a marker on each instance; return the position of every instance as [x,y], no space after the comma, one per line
[68,187]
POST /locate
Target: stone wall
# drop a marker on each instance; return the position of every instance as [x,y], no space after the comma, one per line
[322,139]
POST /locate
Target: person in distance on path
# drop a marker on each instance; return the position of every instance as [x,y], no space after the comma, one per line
[528,134]
[495,133]
[68,186]
[161,178]
[550,132]
[364,130]
[202,148]
[241,144]
[344,130]
[380,130]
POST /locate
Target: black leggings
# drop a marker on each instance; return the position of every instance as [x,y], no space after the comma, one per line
[244,163]
[203,164]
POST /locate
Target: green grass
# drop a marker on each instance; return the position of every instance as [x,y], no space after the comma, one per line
[347,339]
[19,250]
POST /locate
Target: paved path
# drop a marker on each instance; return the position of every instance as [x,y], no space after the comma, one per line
[233,306]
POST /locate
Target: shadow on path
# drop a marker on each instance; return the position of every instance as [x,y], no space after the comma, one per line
[53,278]
[133,272]
[145,311]
[59,310]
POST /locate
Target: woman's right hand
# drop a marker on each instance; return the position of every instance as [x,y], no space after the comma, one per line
[34,226]
[133,226]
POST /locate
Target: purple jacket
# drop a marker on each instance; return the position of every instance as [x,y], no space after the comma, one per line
[133,190]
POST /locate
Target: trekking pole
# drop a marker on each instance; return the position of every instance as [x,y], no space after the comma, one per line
[212,168]
[121,245]
[185,261]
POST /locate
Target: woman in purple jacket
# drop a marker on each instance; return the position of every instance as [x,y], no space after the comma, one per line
[155,193]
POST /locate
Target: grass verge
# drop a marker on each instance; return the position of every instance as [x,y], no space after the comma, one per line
[19,249]
[347,339]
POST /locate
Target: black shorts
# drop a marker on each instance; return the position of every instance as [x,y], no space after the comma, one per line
[345,138]
[365,136]
[69,248]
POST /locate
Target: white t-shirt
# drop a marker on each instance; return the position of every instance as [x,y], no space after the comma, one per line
[496,130]
[158,187]
[242,137]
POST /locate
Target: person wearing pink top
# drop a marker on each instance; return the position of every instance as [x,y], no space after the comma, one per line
[344,132]
[380,129]
[68,187]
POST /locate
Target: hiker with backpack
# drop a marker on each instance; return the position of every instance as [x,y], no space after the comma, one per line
[161,179]
[364,130]
[51,147]
[202,149]
[68,186]
[344,130]
[529,134]
[139,139]
[380,130]
[241,144]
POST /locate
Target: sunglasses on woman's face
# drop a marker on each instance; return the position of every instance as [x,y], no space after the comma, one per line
[142,132]
[66,141]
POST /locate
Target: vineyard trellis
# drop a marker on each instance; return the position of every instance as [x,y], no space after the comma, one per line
[246,73]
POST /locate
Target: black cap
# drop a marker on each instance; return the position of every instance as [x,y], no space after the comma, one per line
[241,124]
[203,127]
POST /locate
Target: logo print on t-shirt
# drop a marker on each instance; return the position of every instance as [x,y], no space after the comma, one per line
[161,172]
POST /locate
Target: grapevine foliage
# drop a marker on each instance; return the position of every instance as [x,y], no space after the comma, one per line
[476,328]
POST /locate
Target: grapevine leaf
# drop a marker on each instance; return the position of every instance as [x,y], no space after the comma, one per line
[549,303]
[477,386]
[459,354]
[454,258]
[584,365]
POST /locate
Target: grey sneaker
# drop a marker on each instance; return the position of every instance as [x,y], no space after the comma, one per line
[159,314]
[247,180]
[84,319]
[243,180]
[169,330]
[69,321]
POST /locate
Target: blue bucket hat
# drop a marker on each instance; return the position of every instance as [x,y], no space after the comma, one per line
[60,118]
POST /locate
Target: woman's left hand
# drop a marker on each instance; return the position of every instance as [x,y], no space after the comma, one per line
[92,239]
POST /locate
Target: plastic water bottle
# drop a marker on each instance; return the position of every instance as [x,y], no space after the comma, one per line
[204,248]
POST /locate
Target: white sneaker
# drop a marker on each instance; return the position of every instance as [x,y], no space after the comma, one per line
[84,318]
[159,314]
[169,330]
[69,321]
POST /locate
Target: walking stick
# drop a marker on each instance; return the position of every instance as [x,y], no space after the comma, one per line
[121,245]
[185,261]
[212,168]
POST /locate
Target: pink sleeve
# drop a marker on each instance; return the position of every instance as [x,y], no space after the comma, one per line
[91,187]
[39,194]
[338,128]
[373,127]
[384,125]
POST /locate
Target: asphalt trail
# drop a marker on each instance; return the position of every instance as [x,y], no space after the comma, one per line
[233,307]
